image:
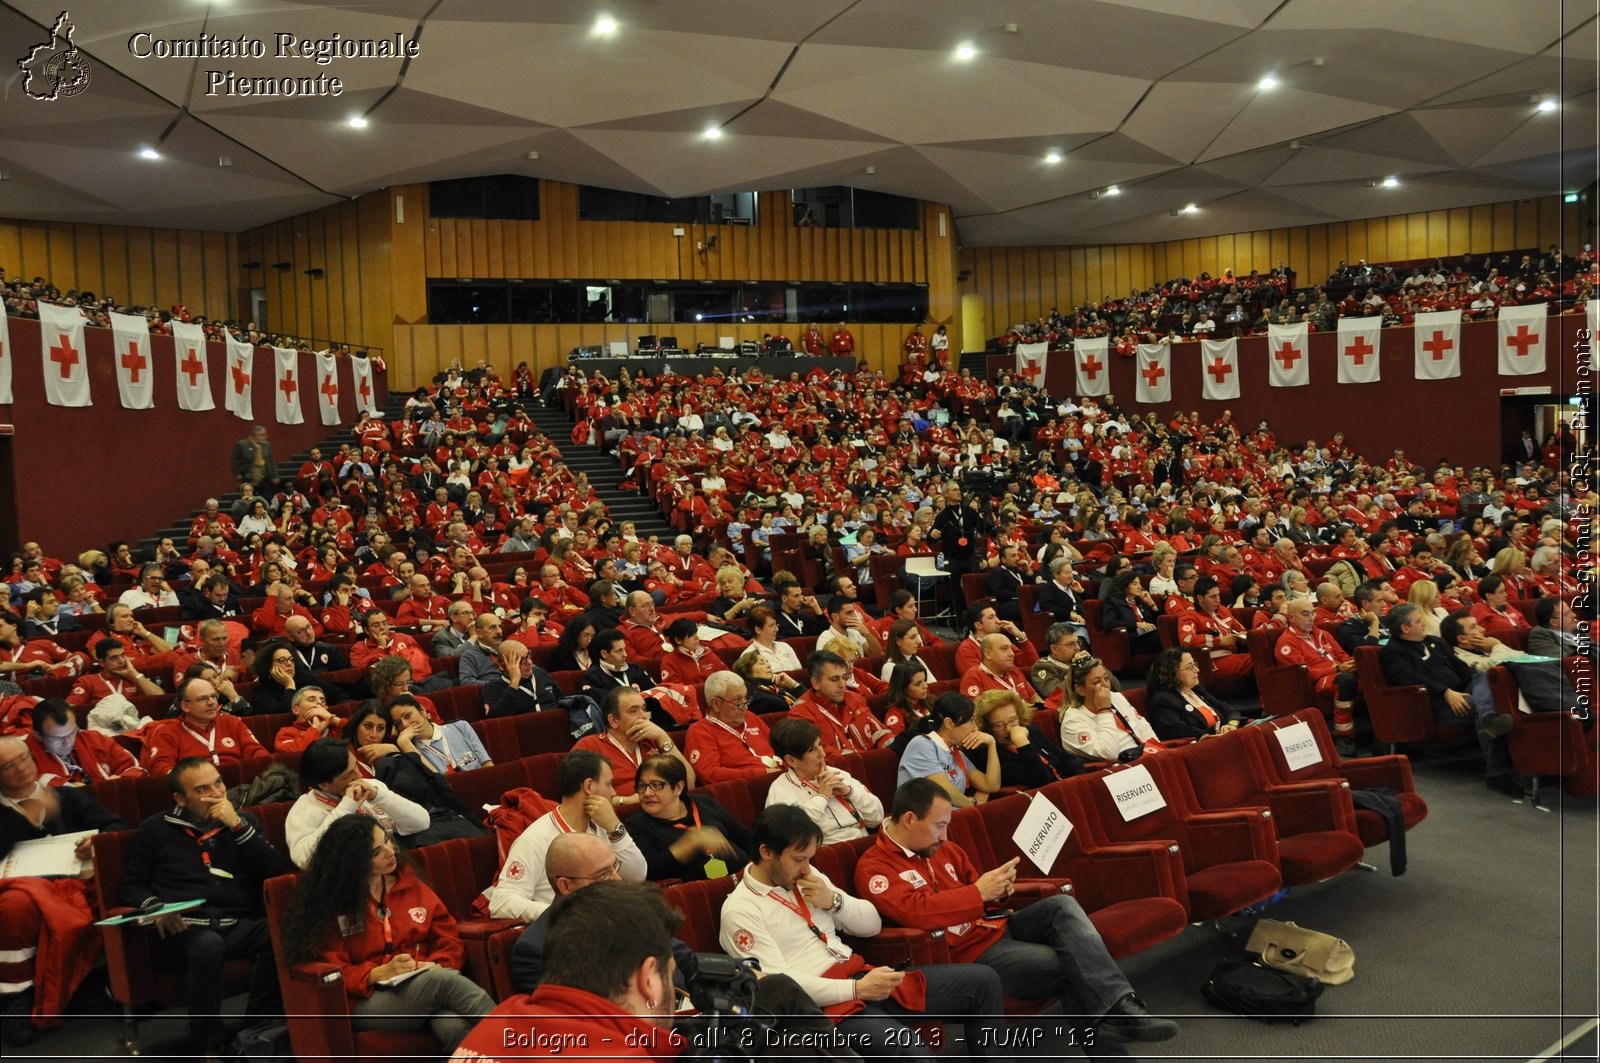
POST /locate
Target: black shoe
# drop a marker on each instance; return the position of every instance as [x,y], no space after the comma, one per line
[1346,748]
[1498,727]
[1130,1020]
[16,1019]
[1505,784]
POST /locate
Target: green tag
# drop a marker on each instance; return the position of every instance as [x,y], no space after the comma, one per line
[715,868]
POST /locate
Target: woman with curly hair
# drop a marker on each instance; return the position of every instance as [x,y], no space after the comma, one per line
[1027,758]
[359,907]
[1178,706]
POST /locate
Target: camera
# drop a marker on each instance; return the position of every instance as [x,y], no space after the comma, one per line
[722,985]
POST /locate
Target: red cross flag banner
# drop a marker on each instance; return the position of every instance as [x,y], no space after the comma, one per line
[130,350]
[236,385]
[286,385]
[328,387]
[1438,339]
[66,374]
[1522,335]
[1219,369]
[366,395]
[1094,372]
[1030,362]
[1154,383]
[1359,338]
[5,356]
[1288,350]
[194,377]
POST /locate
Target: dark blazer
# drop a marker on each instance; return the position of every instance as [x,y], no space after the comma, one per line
[1116,613]
[1171,716]
[1057,602]
[1404,664]
[1039,763]
[78,810]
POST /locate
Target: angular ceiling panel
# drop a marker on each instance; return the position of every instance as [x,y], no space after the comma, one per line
[1159,97]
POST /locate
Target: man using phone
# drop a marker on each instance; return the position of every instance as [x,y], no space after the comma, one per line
[786,914]
[916,877]
[204,849]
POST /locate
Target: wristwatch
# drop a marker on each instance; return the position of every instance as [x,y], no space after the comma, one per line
[617,835]
[667,746]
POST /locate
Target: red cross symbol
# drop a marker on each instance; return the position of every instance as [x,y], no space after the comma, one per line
[1031,371]
[1286,355]
[1091,368]
[1359,350]
[64,355]
[330,390]
[134,362]
[192,367]
[241,379]
[286,385]
[365,391]
[1219,371]
[1152,374]
[1522,340]
[1438,346]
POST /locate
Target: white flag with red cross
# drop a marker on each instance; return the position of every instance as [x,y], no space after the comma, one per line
[286,385]
[1359,339]
[237,385]
[1288,351]
[194,376]
[1219,369]
[1155,373]
[328,387]
[1522,338]
[1094,372]
[66,372]
[366,394]
[1438,345]
[5,356]
[130,350]
[1030,362]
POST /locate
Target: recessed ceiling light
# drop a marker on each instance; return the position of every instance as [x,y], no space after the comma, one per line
[149,153]
[713,132]
[1190,208]
[605,26]
[356,121]
[965,52]
[1391,182]
[1267,83]
[1113,190]
[1052,157]
[1547,105]
[1570,197]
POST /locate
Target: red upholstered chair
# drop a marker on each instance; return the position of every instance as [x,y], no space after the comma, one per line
[131,980]
[974,588]
[1391,771]
[483,786]
[940,657]
[1221,685]
[1314,820]
[459,870]
[880,769]
[1112,647]
[701,905]
[318,1007]
[1546,743]
[1037,627]
[1230,859]
[1402,714]
[1284,688]
[893,944]
[542,732]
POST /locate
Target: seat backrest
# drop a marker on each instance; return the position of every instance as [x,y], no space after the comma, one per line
[838,861]
[733,795]
[968,830]
[1270,750]
[701,904]
[1223,773]
[110,862]
[485,785]
[1096,812]
[1263,646]
[880,769]
[266,727]
[499,738]
[273,817]
[542,732]
[940,658]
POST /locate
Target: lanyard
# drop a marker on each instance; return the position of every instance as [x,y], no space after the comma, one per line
[1005,680]
[635,758]
[200,841]
[208,740]
[848,807]
[799,907]
[737,734]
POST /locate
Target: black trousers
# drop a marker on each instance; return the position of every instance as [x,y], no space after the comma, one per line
[200,953]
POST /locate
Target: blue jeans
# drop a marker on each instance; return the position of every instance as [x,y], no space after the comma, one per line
[1051,948]
[957,992]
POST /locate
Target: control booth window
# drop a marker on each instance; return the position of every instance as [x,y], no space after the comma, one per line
[497,196]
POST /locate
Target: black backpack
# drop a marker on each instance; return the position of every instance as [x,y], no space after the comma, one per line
[1261,993]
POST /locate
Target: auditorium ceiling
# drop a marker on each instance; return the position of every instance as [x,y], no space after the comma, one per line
[1058,101]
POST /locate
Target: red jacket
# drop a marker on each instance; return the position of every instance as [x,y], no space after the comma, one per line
[969,654]
[1199,631]
[937,893]
[846,728]
[99,755]
[295,737]
[583,1025]
[169,741]
[690,671]
[268,622]
[364,654]
[417,922]
[978,679]
[644,643]
[1317,651]
[717,752]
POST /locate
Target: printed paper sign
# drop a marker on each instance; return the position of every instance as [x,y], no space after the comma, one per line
[1135,792]
[1300,748]
[1042,832]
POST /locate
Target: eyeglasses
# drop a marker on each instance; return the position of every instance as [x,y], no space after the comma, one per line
[609,874]
[201,699]
[740,703]
[654,786]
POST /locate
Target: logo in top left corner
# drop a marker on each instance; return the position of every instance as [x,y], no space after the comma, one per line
[55,69]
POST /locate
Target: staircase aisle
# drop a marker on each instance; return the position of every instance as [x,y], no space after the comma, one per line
[604,473]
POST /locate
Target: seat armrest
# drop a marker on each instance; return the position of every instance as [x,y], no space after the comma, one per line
[1312,805]
[895,945]
[1138,869]
[1230,836]
[1392,770]
[1028,890]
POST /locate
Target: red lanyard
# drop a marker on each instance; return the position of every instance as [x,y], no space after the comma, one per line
[200,842]
[799,907]
[737,734]
[848,807]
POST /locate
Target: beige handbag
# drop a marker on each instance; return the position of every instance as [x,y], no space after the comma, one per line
[1311,953]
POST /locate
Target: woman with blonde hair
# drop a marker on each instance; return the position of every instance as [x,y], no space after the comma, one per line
[1424,594]
[1511,565]
[1027,758]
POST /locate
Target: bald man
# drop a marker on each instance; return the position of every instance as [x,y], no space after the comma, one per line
[997,670]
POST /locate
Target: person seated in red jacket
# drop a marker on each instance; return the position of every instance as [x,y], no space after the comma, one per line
[68,755]
[33,657]
[268,621]
[1330,669]
[689,663]
[210,648]
[383,641]
[628,739]
[564,600]
[997,670]
[200,731]
[1332,606]
[117,675]
[1211,628]
[847,725]
[982,620]
[731,742]
[1498,619]
[144,647]
[360,909]
[312,720]
[423,609]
